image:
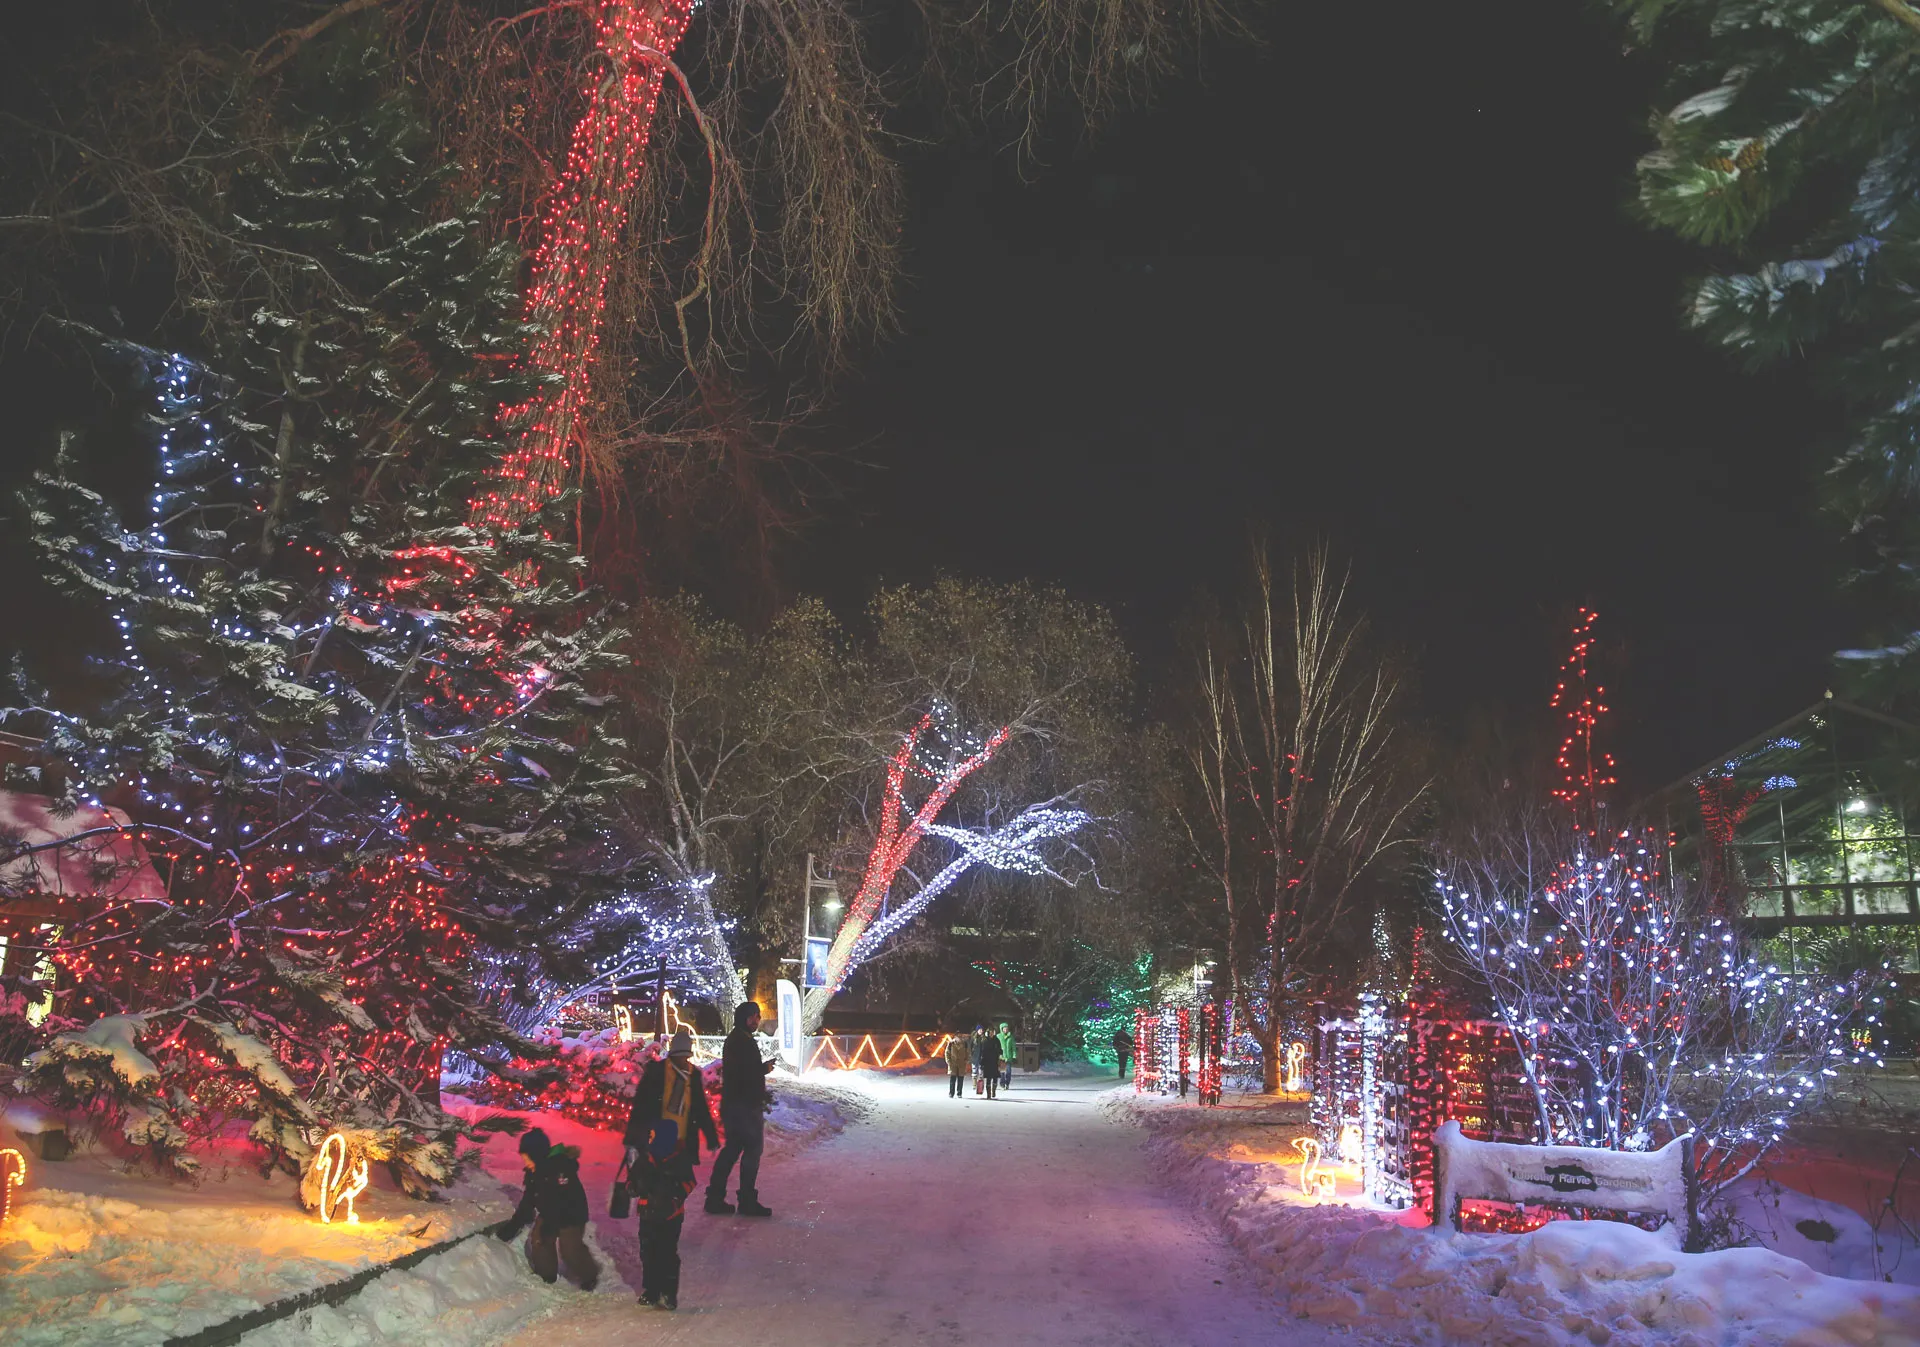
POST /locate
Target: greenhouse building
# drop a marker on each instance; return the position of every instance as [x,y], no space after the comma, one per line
[1810,832]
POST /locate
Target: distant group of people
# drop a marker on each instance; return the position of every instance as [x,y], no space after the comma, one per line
[671,1114]
[986,1057]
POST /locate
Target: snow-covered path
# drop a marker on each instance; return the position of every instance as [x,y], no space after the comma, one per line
[1029,1219]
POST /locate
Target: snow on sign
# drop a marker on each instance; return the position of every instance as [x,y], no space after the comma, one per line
[1572,1176]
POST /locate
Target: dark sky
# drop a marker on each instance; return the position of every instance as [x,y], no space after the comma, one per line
[1380,286]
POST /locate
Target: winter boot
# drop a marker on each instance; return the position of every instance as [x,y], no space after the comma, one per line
[669,1301]
[717,1205]
[750,1205]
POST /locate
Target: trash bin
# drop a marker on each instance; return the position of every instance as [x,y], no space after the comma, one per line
[1027,1056]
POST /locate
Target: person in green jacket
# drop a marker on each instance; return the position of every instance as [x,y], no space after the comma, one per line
[1006,1056]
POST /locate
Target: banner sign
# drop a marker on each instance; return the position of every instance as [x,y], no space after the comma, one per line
[1574,1176]
[787,1011]
[815,973]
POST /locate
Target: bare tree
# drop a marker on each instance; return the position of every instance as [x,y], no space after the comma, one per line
[1634,1018]
[747,242]
[1304,755]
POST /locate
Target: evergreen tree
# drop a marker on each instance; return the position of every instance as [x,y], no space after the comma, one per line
[356,736]
[1794,152]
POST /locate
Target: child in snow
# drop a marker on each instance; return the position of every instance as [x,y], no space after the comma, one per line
[557,1205]
[959,1061]
[670,1115]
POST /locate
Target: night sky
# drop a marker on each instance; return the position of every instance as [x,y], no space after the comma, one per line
[1380,286]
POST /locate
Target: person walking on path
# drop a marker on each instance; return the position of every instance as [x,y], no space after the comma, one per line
[1006,1056]
[990,1063]
[959,1063]
[670,1115]
[974,1040]
[1122,1048]
[744,1101]
[556,1204]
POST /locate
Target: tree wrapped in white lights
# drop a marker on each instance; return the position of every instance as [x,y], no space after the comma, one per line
[1636,1021]
[619,945]
[943,755]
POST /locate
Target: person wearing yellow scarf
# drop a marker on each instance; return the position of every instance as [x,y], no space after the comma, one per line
[670,1115]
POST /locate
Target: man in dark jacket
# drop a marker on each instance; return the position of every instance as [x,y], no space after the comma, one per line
[744,1100]
[1122,1048]
[670,1115]
[557,1205]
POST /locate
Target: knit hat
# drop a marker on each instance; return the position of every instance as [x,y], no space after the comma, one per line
[682,1045]
[534,1142]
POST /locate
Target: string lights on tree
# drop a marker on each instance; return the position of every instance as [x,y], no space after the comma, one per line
[580,236]
[347,727]
[1635,1019]
[902,826]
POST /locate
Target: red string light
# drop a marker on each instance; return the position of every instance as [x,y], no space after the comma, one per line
[579,238]
[1586,774]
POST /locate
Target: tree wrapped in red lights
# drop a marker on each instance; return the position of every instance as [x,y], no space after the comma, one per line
[354,735]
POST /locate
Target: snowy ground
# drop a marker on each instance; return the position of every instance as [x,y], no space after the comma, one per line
[97,1255]
[1569,1283]
[1032,1220]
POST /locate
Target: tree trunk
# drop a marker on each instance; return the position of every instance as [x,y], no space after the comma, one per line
[1270,1058]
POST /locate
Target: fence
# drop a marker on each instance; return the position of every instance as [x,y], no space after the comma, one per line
[872,1052]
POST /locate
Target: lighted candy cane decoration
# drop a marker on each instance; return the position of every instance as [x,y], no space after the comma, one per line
[337,1183]
[1312,1182]
[1296,1060]
[13,1173]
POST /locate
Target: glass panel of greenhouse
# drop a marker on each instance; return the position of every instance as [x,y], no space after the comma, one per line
[1809,833]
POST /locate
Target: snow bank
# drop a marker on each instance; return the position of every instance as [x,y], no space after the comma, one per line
[101,1256]
[1565,1285]
[806,1109]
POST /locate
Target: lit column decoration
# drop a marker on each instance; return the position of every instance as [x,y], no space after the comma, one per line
[13,1173]
[336,1183]
[1372,1031]
[580,235]
[1143,1050]
[1210,1053]
[1166,1030]
[1185,1049]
